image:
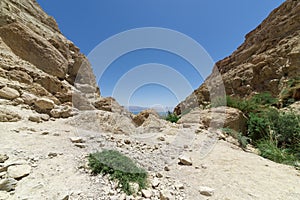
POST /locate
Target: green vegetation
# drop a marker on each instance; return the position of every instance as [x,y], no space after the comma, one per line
[120,168]
[172,117]
[287,94]
[276,134]
[243,140]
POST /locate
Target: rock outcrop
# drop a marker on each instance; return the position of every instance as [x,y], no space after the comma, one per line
[38,65]
[267,60]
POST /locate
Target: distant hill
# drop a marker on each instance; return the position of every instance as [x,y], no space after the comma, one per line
[137,109]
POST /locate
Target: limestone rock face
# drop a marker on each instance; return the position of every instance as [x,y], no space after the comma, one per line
[38,62]
[216,118]
[266,61]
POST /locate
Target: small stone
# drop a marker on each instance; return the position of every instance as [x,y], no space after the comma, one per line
[8,184]
[147,193]
[206,191]
[80,145]
[3,158]
[184,160]
[166,168]
[66,197]
[52,155]
[127,141]
[165,195]
[159,175]
[134,187]
[35,118]
[179,186]
[155,182]
[18,171]
[161,138]
[45,133]
[76,139]
[45,117]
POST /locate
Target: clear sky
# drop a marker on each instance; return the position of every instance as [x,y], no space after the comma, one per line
[218,26]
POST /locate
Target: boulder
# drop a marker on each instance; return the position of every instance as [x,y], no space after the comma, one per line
[8,93]
[141,117]
[63,111]
[3,158]
[216,118]
[8,184]
[153,124]
[20,76]
[18,171]
[108,104]
[185,160]
[206,191]
[8,116]
[43,104]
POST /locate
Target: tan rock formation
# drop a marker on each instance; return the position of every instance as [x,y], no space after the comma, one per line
[269,57]
[38,62]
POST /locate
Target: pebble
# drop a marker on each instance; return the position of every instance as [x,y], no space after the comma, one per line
[76,139]
[206,191]
[184,160]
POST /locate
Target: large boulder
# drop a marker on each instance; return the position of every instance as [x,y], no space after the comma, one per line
[8,93]
[216,118]
[44,104]
[141,117]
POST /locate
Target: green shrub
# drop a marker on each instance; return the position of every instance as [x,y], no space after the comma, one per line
[246,106]
[172,117]
[264,99]
[243,140]
[275,133]
[270,150]
[119,167]
[258,127]
[286,127]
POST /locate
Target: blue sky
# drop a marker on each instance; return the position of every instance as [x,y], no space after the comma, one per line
[219,26]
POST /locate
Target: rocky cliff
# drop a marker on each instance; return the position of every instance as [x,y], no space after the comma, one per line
[39,67]
[268,60]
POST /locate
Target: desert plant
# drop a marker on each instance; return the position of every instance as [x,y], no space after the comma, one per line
[264,99]
[172,117]
[245,105]
[119,167]
[269,149]
[243,140]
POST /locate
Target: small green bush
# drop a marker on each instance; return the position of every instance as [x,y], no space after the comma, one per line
[270,150]
[246,106]
[119,167]
[275,133]
[172,117]
[264,99]
[243,140]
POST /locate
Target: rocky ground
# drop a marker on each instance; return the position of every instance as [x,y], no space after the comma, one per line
[48,160]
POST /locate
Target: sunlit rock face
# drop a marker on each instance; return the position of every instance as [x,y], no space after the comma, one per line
[266,61]
[37,63]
